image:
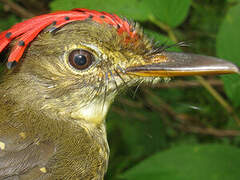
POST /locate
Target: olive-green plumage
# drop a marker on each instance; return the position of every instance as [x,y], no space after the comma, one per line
[52,123]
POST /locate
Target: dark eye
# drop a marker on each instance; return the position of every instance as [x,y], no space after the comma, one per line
[80,59]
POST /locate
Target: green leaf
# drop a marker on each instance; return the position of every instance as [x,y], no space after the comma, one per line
[170,12]
[135,9]
[228,43]
[212,162]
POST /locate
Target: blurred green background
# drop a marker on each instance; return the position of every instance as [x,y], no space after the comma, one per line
[187,129]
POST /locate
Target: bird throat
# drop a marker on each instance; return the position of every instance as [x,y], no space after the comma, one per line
[95,112]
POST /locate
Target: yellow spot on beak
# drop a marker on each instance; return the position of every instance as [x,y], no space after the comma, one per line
[2,145]
[43,169]
[159,59]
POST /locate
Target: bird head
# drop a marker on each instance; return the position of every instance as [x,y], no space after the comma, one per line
[79,60]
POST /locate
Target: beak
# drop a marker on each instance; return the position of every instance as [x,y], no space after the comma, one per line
[169,64]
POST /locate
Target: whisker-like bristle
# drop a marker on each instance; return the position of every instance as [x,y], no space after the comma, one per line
[138,86]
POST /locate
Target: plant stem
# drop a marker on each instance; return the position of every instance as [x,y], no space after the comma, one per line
[164,27]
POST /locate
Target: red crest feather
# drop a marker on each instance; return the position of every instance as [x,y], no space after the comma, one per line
[27,30]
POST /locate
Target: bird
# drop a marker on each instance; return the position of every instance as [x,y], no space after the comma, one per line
[64,70]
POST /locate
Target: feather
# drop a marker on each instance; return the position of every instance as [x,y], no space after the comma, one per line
[26,31]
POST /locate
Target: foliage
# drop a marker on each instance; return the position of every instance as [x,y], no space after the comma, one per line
[177,164]
[135,9]
[174,133]
[228,41]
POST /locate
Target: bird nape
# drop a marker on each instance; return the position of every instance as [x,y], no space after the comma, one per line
[65,69]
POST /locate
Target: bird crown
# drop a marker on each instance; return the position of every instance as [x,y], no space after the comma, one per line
[26,31]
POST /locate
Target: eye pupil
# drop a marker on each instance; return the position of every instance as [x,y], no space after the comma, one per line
[80,60]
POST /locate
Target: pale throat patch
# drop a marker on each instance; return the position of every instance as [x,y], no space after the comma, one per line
[95,112]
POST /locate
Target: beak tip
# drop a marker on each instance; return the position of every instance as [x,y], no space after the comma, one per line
[238,70]
[234,68]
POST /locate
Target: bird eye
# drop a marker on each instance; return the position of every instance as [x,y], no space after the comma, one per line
[80,59]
